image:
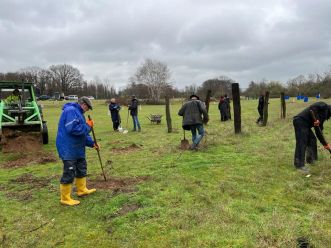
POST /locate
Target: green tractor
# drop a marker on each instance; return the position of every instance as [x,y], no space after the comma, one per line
[19,111]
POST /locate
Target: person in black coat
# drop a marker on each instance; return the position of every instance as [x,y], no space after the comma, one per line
[114,109]
[227,99]
[260,108]
[223,108]
[133,107]
[306,143]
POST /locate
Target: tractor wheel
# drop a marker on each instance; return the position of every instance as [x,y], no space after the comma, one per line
[45,134]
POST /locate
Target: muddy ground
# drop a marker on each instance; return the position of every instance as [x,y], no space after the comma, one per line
[18,142]
[117,184]
[26,148]
[131,148]
[29,183]
[26,158]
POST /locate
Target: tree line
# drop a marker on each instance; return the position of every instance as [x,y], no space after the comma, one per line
[152,81]
[310,85]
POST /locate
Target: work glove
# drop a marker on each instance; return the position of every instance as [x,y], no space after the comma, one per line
[96,146]
[90,123]
[327,147]
[316,123]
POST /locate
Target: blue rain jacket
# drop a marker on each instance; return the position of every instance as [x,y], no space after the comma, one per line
[73,133]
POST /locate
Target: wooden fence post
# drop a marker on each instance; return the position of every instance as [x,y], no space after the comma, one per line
[236,108]
[265,109]
[283,106]
[208,100]
[168,116]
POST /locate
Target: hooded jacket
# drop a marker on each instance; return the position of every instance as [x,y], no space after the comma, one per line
[193,112]
[73,133]
[322,112]
[134,107]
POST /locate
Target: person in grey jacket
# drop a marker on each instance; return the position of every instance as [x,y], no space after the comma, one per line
[194,116]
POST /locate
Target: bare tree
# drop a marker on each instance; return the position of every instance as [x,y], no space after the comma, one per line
[155,75]
[68,77]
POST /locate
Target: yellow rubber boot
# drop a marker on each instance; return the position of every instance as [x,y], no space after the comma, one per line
[81,187]
[66,195]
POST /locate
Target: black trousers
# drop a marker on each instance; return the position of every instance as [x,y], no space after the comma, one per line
[116,124]
[72,169]
[260,119]
[306,143]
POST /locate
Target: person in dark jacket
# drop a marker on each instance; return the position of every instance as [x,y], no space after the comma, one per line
[114,109]
[72,137]
[227,99]
[133,107]
[194,115]
[306,143]
[260,108]
[224,109]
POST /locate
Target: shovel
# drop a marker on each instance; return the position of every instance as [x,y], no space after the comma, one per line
[95,141]
[184,144]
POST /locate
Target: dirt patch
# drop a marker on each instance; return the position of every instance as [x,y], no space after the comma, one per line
[131,148]
[21,142]
[126,208]
[117,183]
[24,159]
[20,196]
[29,183]
[32,181]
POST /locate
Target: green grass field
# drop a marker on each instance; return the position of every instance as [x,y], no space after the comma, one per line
[237,191]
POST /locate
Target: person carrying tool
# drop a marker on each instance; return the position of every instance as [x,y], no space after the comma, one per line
[133,107]
[313,116]
[114,109]
[260,108]
[194,116]
[72,137]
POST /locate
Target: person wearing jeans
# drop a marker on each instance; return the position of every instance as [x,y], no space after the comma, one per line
[194,115]
[133,107]
[201,132]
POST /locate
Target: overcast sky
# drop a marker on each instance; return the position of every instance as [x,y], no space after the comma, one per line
[198,40]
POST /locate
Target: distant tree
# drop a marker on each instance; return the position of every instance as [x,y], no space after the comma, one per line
[275,88]
[155,75]
[218,86]
[67,77]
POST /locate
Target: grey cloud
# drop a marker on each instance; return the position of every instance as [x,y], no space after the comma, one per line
[246,40]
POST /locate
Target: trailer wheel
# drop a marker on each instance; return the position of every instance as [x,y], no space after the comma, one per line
[45,134]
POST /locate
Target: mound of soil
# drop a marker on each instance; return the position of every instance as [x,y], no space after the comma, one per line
[24,159]
[22,142]
[131,148]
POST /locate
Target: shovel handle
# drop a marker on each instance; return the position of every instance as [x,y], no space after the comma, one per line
[95,141]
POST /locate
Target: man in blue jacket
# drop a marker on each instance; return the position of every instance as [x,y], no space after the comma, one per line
[114,109]
[72,137]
